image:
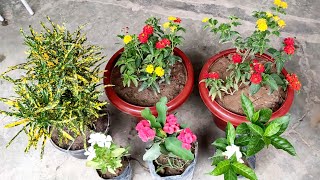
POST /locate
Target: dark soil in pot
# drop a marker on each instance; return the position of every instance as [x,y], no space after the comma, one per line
[147,97]
[100,125]
[262,99]
[119,171]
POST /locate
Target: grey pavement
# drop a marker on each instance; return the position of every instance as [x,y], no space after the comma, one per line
[105,20]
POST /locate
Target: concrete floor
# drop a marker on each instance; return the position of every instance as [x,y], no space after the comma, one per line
[105,19]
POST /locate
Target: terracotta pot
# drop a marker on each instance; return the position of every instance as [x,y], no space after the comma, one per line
[135,110]
[220,114]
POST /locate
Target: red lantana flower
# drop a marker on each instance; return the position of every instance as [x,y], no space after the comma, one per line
[236,58]
[214,75]
[289,49]
[289,41]
[293,81]
[258,67]
[166,41]
[178,20]
[160,45]
[148,29]
[143,38]
[256,78]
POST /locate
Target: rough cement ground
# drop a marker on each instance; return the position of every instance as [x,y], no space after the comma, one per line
[105,19]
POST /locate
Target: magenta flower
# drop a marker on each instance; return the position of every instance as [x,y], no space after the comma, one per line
[187,137]
[171,119]
[171,126]
[142,124]
[146,134]
[186,146]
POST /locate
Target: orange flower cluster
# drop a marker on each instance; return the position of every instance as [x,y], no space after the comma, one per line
[293,81]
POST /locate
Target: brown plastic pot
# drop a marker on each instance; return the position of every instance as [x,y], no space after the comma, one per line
[135,110]
[220,114]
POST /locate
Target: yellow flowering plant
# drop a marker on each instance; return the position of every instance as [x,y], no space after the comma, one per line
[148,57]
[59,89]
[248,71]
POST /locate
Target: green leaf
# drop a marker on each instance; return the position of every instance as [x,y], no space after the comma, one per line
[242,140]
[279,65]
[255,145]
[277,78]
[255,129]
[217,157]
[242,129]
[118,152]
[93,164]
[254,88]
[152,153]
[231,133]
[247,106]
[220,143]
[284,121]
[265,115]
[230,175]
[146,113]
[221,168]
[162,110]
[244,170]
[255,116]
[272,129]
[175,146]
[271,82]
[281,143]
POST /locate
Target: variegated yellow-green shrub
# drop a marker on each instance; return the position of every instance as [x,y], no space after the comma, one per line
[60,87]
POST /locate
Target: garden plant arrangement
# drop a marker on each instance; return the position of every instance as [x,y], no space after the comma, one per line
[57,96]
[107,158]
[173,146]
[150,67]
[232,152]
[247,68]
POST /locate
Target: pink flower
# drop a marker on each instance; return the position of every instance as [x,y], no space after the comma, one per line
[187,137]
[186,146]
[171,119]
[147,134]
[171,126]
[142,124]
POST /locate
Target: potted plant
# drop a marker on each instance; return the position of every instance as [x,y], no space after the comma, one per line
[248,69]
[149,67]
[107,158]
[173,147]
[233,156]
[57,96]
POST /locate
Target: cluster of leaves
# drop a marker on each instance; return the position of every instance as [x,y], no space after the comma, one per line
[251,137]
[137,56]
[163,143]
[216,87]
[108,159]
[59,90]
[248,47]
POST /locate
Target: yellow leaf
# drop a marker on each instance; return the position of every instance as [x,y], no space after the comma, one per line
[16,123]
[66,135]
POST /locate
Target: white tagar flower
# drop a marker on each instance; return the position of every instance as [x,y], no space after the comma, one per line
[91,153]
[101,139]
[231,150]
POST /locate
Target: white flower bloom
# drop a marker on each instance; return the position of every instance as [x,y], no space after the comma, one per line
[231,150]
[101,139]
[91,153]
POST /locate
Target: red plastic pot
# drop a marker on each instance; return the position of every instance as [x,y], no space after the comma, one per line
[220,114]
[135,110]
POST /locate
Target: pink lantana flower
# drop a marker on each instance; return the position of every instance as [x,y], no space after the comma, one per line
[171,126]
[145,131]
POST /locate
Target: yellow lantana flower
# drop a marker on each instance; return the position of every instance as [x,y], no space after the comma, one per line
[166,25]
[276,18]
[45,56]
[269,14]
[173,28]
[262,27]
[159,71]
[172,18]
[277,2]
[205,19]
[284,5]
[150,69]
[127,39]
[281,23]
[261,21]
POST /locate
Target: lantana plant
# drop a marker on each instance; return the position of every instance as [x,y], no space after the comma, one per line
[232,152]
[104,155]
[245,68]
[167,137]
[148,57]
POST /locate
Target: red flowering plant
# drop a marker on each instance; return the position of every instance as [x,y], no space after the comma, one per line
[148,57]
[168,138]
[245,68]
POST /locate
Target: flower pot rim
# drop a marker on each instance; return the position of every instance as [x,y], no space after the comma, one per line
[135,110]
[127,168]
[224,113]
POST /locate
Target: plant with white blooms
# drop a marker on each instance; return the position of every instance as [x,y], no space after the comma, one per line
[231,150]
[103,154]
